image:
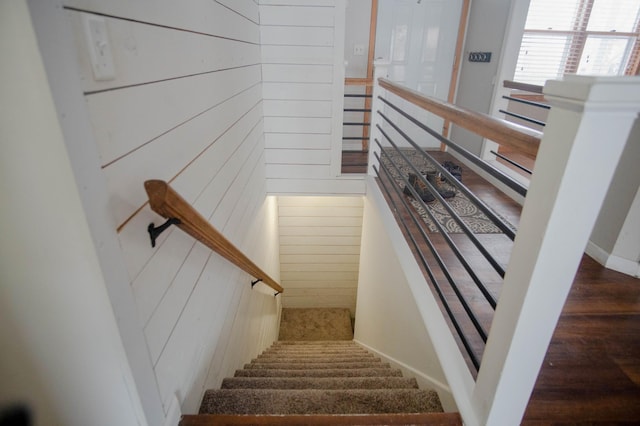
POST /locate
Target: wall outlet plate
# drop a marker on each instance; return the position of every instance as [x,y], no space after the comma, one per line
[479,56]
[95,28]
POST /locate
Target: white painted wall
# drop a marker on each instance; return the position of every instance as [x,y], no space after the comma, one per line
[615,240]
[320,251]
[62,355]
[358,17]
[303,74]
[185,106]
[356,35]
[392,300]
[485,33]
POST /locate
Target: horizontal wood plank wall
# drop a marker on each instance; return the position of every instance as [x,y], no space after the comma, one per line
[300,53]
[186,107]
[320,250]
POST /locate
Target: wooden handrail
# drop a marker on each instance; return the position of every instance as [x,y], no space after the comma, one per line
[533,88]
[169,204]
[503,132]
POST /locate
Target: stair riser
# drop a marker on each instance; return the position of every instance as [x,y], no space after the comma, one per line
[356,372]
[328,349]
[314,360]
[367,401]
[314,342]
[314,355]
[319,383]
[316,366]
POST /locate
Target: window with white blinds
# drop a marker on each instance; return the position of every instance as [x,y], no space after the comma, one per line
[592,37]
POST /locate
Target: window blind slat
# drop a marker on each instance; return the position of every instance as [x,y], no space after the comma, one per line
[556,42]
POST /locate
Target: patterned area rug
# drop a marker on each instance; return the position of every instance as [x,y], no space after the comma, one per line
[477,221]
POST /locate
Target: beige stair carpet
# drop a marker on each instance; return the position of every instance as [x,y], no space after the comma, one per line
[322,377]
[315,324]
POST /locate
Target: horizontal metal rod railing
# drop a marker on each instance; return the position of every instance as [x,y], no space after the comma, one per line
[170,205]
[467,283]
[445,235]
[357,95]
[513,163]
[500,131]
[425,263]
[527,102]
[523,117]
[498,221]
[498,174]
[450,210]
[357,110]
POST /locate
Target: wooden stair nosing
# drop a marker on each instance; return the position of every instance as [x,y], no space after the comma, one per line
[432,419]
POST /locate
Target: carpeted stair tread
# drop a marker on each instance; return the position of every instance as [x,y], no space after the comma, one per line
[315,360]
[284,342]
[308,351]
[316,401]
[296,380]
[327,372]
[316,323]
[314,365]
[315,356]
[319,383]
[318,348]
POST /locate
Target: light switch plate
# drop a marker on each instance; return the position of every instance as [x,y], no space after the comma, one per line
[358,50]
[99,47]
[479,56]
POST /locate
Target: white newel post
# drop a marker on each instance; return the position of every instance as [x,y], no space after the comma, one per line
[381,70]
[587,130]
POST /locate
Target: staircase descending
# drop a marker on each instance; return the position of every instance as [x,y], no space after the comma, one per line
[319,382]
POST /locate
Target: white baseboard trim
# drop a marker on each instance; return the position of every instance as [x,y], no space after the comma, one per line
[597,253]
[424,380]
[174,413]
[611,261]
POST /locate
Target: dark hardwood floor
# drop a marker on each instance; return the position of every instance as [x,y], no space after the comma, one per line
[591,373]
[354,161]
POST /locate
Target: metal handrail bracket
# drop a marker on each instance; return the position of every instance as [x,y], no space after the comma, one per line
[170,205]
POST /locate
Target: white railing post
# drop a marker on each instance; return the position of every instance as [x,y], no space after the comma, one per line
[380,71]
[587,130]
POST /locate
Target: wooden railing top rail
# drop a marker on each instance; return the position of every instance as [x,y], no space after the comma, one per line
[526,87]
[169,204]
[358,82]
[503,132]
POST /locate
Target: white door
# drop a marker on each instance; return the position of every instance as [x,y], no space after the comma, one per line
[418,39]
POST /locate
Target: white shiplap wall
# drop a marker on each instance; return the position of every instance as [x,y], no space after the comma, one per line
[186,107]
[303,74]
[320,251]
